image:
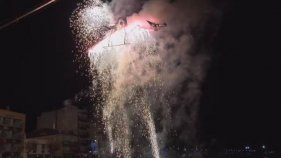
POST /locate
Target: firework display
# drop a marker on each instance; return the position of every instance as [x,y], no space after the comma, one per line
[139,63]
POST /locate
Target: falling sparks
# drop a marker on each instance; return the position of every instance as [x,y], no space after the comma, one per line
[119,55]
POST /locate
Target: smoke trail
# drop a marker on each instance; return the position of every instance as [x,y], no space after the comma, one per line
[150,81]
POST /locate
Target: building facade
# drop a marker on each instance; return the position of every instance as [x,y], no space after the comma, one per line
[46,143]
[37,147]
[12,134]
[73,129]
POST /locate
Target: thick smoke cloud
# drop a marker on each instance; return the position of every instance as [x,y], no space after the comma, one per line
[184,45]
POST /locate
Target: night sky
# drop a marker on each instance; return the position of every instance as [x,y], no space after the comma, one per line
[241,94]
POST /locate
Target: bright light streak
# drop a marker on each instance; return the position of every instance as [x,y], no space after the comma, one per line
[27,14]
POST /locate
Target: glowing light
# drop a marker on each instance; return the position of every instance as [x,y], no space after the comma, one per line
[131,35]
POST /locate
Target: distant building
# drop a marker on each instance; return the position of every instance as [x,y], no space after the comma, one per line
[72,126]
[12,134]
[64,119]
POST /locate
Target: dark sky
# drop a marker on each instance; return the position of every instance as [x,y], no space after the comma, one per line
[241,95]
[36,64]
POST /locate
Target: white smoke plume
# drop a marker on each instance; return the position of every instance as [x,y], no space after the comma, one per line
[125,8]
[183,45]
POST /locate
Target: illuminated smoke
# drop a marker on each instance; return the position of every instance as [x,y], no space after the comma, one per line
[150,81]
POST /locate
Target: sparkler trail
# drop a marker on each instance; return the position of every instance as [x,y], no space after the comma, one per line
[27,14]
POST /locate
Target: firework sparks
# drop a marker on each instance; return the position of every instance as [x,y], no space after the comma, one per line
[88,23]
[138,71]
[117,49]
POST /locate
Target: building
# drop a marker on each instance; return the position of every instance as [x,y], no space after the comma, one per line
[45,143]
[71,126]
[37,147]
[12,134]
